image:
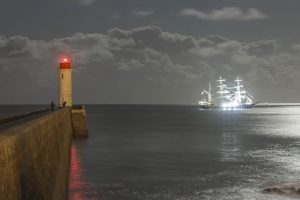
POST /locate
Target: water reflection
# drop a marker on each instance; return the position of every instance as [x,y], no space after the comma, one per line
[229,148]
[79,189]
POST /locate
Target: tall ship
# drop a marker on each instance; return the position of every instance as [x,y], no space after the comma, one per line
[227,96]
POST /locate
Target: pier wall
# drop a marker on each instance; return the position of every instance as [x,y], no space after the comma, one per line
[80,128]
[35,158]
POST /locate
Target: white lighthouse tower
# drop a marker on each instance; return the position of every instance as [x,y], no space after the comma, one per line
[65,83]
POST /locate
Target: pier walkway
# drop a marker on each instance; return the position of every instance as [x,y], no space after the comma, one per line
[5,124]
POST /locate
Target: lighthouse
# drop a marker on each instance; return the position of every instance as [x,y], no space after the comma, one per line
[65,83]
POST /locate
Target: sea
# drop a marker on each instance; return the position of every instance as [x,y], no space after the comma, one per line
[180,152]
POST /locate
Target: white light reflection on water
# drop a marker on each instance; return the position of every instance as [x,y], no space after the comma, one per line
[229,148]
[277,165]
[201,155]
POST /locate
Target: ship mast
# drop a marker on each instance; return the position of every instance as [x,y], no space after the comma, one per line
[238,96]
[222,89]
[209,96]
[209,93]
[231,95]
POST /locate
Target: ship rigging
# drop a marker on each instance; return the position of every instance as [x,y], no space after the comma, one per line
[227,96]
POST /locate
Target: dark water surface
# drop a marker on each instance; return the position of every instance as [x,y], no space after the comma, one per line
[180,152]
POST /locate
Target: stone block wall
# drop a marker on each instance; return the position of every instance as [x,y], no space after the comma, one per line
[80,128]
[35,158]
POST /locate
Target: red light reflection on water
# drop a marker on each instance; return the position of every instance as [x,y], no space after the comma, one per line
[78,188]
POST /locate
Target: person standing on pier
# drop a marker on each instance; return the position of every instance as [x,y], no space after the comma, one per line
[52,106]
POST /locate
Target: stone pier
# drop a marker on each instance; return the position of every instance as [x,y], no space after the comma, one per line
[35,158]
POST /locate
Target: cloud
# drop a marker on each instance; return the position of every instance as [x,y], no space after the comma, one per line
[147,50]
[145,47]
[216,46]
[226,13]
[145,56]
[163,55]
[158,50]
[143,13]
[153,37]
[216,39]
[262,47]
[129,65]
[20,47]
[85,2]
[295,46]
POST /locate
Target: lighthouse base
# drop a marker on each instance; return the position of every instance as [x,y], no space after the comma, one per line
[80,129]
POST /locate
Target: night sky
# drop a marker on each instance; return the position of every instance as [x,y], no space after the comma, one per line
[148,51]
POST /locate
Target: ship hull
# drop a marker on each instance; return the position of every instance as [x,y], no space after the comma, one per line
[242,106]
